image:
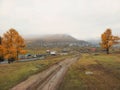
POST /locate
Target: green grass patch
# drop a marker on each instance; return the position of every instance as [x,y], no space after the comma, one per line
[104,73]
[12,74]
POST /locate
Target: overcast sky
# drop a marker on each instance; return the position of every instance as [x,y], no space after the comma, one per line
[83,19]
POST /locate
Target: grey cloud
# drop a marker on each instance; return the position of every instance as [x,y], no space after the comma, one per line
[80,18]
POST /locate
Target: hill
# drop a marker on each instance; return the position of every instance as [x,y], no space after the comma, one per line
[58,37]
[55,40]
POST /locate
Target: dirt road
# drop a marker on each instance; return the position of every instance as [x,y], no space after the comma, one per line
[49,79]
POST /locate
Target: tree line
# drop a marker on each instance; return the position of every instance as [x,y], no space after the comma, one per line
[11,45]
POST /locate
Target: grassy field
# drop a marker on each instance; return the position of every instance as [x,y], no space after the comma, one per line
[12,74]
[94,72]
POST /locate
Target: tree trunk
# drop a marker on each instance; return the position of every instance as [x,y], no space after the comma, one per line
[107,50]
[0,41]
[17,55]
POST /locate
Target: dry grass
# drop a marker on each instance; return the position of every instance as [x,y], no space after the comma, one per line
[12,74]
[105,69]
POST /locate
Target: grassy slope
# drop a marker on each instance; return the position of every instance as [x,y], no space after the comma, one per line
[11,74]
[106,73]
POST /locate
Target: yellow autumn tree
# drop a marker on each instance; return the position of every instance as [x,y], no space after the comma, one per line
[13,44]
[108,40]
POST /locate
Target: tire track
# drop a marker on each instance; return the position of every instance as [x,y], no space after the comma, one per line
[49,79]
[53,81]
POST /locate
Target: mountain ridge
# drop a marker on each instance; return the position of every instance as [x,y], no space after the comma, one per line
[56,40]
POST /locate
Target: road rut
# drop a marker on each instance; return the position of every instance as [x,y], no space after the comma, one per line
[49,79]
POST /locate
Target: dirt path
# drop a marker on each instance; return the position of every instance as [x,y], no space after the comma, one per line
[49,79]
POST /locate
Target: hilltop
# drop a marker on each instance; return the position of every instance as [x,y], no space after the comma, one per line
[55,40]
